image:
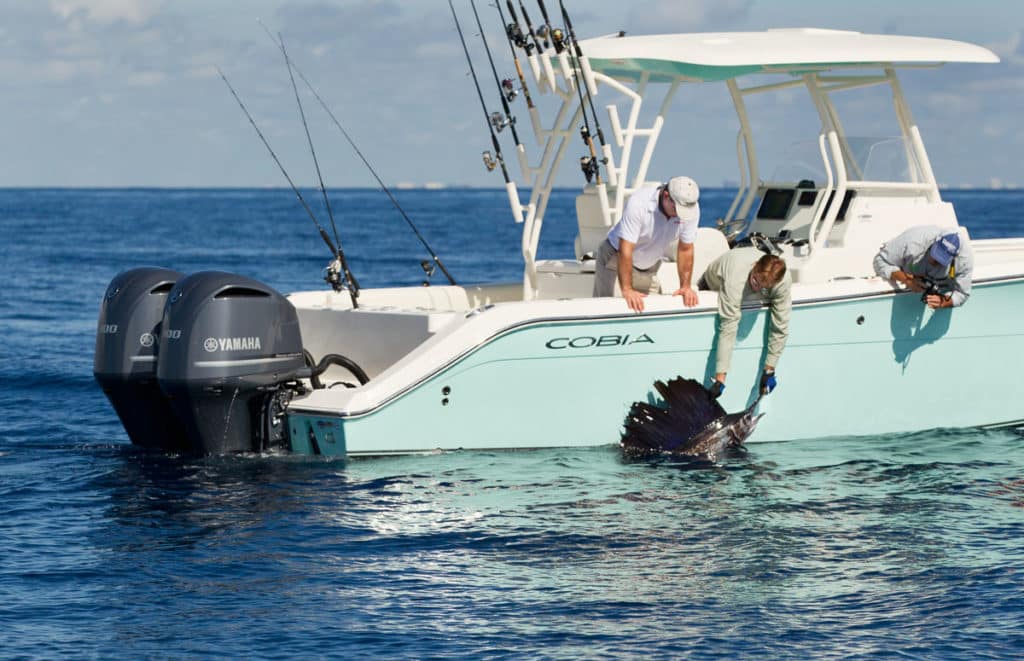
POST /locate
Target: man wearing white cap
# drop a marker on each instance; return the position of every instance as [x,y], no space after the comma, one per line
[653,218]
[931,260]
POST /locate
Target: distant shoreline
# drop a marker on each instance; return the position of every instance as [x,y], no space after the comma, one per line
[425,188]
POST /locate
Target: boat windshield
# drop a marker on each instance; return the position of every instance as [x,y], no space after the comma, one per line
[887,159]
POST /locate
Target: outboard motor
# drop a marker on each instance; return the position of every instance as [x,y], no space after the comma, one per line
[230,357]
[127,343]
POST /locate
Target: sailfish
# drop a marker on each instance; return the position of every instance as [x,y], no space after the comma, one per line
[692,424]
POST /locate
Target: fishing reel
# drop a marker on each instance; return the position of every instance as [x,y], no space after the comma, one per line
[428,268]
[515,34]
[332,275]
[508,89]
[543,33]
[555,35]
[558,40]
[588,164]
[499,121]
[490,162]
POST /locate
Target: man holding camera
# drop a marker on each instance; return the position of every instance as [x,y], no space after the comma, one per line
[930,260]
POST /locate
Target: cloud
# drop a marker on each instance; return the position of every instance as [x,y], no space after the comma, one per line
[107,11]
[137,78]
[73,110]
[146,78]
[687,15]
[953,104]
[1010,49]
[997,84]
[59,70]
[378,30]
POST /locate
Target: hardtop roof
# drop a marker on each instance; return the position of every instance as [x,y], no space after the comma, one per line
[722,55]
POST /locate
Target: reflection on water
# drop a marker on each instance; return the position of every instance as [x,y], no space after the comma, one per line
[184,499]
[905,544]
[550,552]
[554,551]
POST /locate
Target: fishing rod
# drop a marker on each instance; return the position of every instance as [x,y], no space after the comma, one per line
[516,38]
[541,34]
[588,164]
[490,162]
[319,227]
[514,30]
[579,59]
[394,201]
[549,74]
[556,35]
[530,30]
[353,285]
[509,120]
[591,166]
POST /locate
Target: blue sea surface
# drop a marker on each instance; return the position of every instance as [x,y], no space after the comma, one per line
[908,545]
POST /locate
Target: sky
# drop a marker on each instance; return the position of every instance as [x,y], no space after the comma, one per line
[126,92]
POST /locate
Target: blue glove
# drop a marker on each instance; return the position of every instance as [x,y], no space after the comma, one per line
[768,382]
[716,389]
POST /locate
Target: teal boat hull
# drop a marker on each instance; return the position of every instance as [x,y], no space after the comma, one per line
[873,364]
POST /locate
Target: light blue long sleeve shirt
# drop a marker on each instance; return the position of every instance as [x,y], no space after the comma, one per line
[908,252]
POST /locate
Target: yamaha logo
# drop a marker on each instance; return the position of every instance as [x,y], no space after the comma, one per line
[146,339]
[212,344]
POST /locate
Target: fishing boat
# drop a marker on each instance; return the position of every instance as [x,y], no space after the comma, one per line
[214,362]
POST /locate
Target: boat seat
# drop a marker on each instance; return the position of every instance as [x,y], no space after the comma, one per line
[593,226]
[709,245]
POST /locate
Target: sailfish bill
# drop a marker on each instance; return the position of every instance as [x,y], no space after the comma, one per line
[692,424]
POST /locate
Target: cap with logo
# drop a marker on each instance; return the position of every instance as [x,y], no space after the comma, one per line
[946,248]
[685,193]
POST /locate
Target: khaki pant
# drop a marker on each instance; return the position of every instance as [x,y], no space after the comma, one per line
[606,273]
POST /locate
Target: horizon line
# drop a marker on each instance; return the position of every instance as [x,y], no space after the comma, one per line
[424,187]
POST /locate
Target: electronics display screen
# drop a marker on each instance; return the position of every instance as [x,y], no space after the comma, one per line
[776,204]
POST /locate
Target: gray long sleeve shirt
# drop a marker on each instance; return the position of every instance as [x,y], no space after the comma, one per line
[729,275]
[908,252]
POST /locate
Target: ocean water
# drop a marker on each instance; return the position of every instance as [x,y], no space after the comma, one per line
[907,546]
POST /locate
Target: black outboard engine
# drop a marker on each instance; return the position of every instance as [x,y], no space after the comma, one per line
[230,355]
[127,343]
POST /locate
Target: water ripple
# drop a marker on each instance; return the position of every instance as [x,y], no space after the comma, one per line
[902,546]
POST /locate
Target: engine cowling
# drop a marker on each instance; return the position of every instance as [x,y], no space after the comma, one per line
[127,350]
[229,346]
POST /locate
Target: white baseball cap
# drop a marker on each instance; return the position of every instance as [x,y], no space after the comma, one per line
[685,193]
